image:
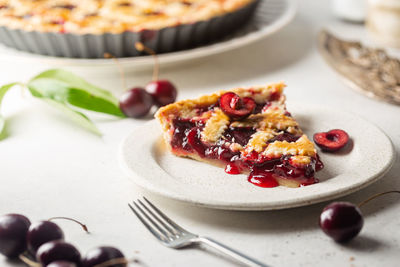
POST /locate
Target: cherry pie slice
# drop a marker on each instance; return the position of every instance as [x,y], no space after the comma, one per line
[245,130]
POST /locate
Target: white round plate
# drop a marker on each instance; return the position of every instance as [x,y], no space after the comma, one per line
[147,162]
[271,16]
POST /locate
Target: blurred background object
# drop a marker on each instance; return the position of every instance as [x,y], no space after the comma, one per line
[351,10]
[383,22]
[370,71]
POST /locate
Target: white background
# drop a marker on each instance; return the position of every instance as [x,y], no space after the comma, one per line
[50,167]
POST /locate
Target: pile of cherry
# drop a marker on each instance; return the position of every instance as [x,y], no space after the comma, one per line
[44,241]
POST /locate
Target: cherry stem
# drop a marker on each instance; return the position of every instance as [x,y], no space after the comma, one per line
[28,261]
[116,261]
[70,219]
[141,47]
[375,196]
[120,68]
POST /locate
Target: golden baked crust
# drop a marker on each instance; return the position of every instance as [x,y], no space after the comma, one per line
[215,126]
[187,108]
[272,121]
[109,16]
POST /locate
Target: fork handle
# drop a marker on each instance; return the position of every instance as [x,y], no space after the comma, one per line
[234,254]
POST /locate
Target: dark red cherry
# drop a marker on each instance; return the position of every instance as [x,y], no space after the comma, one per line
[102,254]
[162,91]
[13,230]
[57,251]
[288,137]
[331,141]
[193,139]
[136,103]
[240,135]
[62,264]
[341,221]
[42,232]
[236,107]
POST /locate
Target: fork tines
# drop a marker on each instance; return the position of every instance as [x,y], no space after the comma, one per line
[156,221]
[172,235]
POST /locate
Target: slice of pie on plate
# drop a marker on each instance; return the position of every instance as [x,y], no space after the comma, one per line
[244,130]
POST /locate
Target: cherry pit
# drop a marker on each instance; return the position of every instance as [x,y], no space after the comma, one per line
[42,244]
[137,102]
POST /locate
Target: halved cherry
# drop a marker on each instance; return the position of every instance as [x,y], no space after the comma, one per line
[331,141]
[236,107]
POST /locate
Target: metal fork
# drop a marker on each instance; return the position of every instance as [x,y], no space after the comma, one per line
[172,235]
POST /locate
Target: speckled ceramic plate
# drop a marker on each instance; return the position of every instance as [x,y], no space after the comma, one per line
[145,159]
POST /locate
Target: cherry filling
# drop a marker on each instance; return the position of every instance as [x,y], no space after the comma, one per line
[264,172]
[288,137]
[200,110]
[263,179]
[239,135]
[267,173]
[232,168]
[181,131]
[187,138]
[259,108]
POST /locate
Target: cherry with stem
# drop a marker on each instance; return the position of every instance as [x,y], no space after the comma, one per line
[135,102]
[42,232]
[343,221]
[162,91]
[84,227]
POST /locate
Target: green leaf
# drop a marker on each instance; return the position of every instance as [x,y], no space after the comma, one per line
[76,116]
[66,87]
[64,93]
[74,81]
[3,90]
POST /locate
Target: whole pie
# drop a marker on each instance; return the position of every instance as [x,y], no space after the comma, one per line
[109,16]
[244,130]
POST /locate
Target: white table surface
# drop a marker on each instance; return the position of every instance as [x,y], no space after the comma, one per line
[50,167]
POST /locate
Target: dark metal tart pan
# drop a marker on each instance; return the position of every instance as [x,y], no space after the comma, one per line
[165,40]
